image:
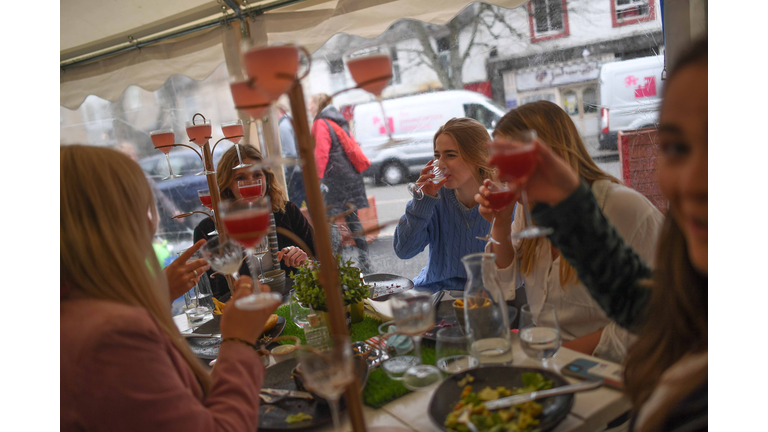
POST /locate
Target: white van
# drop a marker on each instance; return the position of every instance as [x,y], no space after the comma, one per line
[630,97]
[415,119]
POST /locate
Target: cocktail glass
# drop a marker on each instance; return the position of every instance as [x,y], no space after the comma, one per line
[439,174]
[414,315]
[163,141]
[224,258]
[372,71]
[250,189]
[262,249]
[199,132]
[234,131]
[516,164]
[500,196]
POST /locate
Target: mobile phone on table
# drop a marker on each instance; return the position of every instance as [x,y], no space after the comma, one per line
[587,369]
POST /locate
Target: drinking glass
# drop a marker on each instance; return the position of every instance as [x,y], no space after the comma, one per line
[398,350]
[225,257]
[517,164]
[199,132]
[205,200]
[299,313]
[163,139]
[372,71]
[500,196]
[329,372]
[233,131]
[540,333]
[261,249]
[250,188]
[247,222]
[414,315]
[439,174]
[452,351]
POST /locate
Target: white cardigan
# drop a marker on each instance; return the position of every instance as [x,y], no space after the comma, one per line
[639,224]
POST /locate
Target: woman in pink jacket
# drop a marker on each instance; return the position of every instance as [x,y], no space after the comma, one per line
[124,365]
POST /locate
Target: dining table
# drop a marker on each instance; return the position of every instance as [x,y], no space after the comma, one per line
[592,411]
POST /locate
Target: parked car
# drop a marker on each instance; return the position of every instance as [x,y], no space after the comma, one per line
[414,119]
[630,97]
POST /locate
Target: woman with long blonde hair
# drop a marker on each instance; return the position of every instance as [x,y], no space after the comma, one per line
[548,278]
[447,218]
[124,365]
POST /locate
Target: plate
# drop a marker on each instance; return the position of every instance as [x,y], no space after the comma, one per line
[554,409]
[279,377]
[445,315]
[386,285]
[208,348]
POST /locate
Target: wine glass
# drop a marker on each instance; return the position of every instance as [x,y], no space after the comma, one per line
[233,131]
[205,199]
[372,71]
[398,350]
[199,133]
[329,372]
[247,222]
[250,188]
[439,174]
[499,197]
[517,164]
[163,140]
[414,315]
[540,333]
[224,258]
[452,351]
[298,312]
[261,249]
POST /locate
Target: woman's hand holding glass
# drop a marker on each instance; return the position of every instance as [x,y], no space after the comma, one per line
[182,275]
[247,325]
[424,181]
[503,216]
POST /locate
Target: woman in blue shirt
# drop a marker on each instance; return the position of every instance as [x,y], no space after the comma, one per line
[447,218]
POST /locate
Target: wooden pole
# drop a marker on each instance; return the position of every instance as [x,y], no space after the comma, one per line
[329,276]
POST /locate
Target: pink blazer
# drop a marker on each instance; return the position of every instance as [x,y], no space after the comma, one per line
[119,372]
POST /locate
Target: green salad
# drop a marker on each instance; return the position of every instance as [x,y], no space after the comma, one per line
[519,418]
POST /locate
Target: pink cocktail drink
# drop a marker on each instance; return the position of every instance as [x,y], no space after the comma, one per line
[500,199]
[233,132]
[246,96]
[206,201]
[250,191]
[273,68]
[161,140]
[515,164]
[374,70]
[199,133]
[247,227]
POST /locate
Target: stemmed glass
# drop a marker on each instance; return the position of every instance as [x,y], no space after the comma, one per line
[540,333]
[234,131]
[250,188]
[261,249]
[199,133]
[224,258]
[205,199]
[499,197]
[372,71]
[298,312]
[516,164]
[329,372]
[452,351]
[439,175]
[163,140]
[247,222]
[414,315]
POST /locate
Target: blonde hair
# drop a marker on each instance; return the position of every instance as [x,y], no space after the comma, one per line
[320,100]
[554,127]
[106,238]
[225,174]
[472,139]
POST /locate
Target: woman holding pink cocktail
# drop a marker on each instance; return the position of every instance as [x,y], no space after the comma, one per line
[548,278]
[250,184]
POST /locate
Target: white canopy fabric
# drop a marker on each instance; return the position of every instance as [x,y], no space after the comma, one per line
[308,23]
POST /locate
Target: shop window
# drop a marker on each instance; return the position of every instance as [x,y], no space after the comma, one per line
[548,19]
[481,114]
[537,97]
[625,12]
[589,99]
[396,78]
[571,102]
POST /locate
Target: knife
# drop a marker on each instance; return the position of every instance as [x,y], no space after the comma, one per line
[288,393]
[522,398]
[438,296]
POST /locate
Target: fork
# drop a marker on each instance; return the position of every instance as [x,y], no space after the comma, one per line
[464,419]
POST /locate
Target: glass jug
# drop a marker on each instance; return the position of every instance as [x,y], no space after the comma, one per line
[485,311]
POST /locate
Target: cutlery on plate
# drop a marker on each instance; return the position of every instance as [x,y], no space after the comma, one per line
[200,335]
[287,393]
[522,398]
[464,419]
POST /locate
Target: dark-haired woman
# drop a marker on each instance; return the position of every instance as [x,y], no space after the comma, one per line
[666,369]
